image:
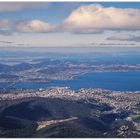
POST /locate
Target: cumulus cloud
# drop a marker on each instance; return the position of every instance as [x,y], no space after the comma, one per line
[33,26]
[96,18]
[125,38]
[8,27]
[86,19]
[17,6]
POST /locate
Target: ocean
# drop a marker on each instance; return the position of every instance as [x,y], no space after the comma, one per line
[118,81]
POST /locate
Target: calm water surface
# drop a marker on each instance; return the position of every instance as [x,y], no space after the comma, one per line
[121,81]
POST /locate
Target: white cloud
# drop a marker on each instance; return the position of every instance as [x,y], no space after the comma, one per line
[86,19]
[96,18]
[33,26]
[125,37]
[17,6]
[8,27]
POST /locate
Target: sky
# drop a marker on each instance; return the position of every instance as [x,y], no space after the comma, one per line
[69,24]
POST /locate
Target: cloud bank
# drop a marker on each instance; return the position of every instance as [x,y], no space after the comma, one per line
[8,27]
[96,18]
[33,26]
[87,19]
[125,38]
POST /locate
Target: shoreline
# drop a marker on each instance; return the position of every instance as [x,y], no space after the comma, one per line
[117,100]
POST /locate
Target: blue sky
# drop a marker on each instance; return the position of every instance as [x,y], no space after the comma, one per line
[56,13]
